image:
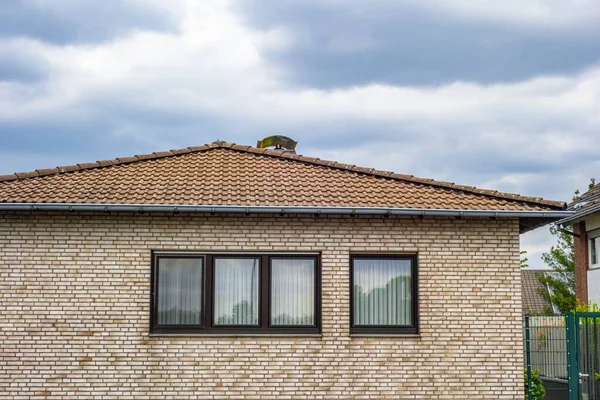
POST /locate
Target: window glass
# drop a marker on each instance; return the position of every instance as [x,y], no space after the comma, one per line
[179,291]
[292,291]
[382,292]
[594,250]
[236,291]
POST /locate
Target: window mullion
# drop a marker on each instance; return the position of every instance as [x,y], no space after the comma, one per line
[264,291]
[415,291]
[208,292]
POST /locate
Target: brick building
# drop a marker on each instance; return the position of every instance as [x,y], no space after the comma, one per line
[227,271]
[586,242]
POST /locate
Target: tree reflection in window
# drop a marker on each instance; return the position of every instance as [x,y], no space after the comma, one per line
[236,291]
[382,292]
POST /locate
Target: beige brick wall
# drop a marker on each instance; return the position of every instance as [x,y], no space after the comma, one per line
[74,309]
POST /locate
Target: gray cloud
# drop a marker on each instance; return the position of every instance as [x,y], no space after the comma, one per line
[75,21]
[211,78]
[341,44]
[18,66]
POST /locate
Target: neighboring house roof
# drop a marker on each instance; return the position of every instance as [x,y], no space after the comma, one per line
[587,204]
[533,301]
[226,174]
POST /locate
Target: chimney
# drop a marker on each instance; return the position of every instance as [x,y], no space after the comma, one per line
[278,142]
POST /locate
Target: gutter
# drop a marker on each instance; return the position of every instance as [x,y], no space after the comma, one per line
[185,208]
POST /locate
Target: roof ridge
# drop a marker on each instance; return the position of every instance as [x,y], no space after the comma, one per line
[279,154]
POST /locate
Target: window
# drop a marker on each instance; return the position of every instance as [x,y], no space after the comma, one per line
[384,294]
[594,252]
[225,293]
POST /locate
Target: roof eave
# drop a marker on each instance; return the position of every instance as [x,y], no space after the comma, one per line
[201,208]
[575,217]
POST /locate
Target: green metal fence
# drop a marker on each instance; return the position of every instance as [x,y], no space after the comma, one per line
[584,339]
[546,352]
[565,350]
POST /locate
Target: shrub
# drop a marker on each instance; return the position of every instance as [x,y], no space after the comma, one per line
[538,392]
[587,307]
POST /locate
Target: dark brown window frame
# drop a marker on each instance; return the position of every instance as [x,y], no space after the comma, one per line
[594,256]
[387,329]
[208,327]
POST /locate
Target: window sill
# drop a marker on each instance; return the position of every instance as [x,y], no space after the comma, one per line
[238,335]
[386,335]
[594,266]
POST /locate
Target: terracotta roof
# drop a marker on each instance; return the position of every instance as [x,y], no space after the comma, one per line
[533,301]
[228,174]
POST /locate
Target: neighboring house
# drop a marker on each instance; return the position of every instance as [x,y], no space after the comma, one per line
[231,271]
[534,301]
[586,241]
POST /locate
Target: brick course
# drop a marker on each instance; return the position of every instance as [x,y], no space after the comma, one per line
[74,311]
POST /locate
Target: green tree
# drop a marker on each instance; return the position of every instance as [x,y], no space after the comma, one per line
[561,281]
[524,259]
[561,259]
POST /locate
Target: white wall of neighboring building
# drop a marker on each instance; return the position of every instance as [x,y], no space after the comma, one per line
[592,222]
[594,285]
[593,275]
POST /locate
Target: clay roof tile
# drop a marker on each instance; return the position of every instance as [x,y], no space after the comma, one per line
[228,173]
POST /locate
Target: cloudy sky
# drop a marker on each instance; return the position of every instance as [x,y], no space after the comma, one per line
[497,94]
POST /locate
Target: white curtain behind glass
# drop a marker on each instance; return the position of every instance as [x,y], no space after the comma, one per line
[382,292]
[236,291]
[292,292]
[179,291]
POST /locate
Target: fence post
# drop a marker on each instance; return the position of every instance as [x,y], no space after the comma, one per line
[572,366]
[528,358]
[595,354]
